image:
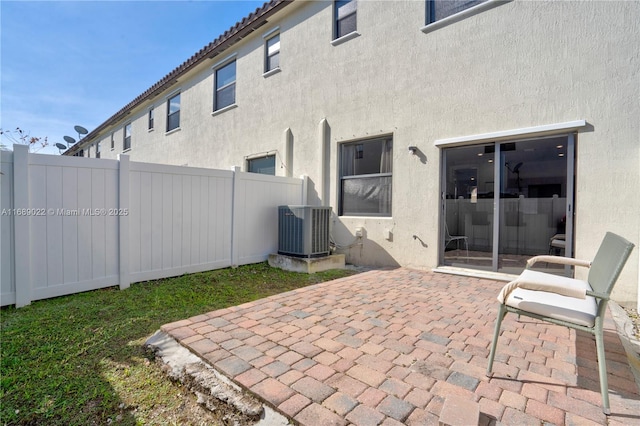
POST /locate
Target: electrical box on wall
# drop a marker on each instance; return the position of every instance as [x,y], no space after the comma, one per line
[359,232]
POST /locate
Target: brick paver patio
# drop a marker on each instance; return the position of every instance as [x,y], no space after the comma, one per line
[389,346]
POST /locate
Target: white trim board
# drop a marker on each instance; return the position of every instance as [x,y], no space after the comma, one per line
[505,134]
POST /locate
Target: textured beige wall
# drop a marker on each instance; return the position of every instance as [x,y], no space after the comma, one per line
[518,65]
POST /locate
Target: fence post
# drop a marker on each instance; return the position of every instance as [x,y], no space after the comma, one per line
[123,220]
[235,216]
[22,225]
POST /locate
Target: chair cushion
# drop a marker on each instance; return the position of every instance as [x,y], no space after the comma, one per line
[552,305]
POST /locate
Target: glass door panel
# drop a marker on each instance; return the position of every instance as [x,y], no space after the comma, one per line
[468,207]
[533,202]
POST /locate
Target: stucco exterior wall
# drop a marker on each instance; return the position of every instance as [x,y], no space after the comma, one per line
[517,65]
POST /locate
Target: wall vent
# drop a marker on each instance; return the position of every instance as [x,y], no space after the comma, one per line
[303,231]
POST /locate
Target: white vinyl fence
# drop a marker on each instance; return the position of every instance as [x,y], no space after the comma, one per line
[72,224]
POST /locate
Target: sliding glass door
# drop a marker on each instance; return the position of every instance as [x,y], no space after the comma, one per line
[505,202]
[468,206]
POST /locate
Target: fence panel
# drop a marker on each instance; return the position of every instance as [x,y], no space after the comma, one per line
[72,247]
[258,197]
[96,223]
[180,219]
[7,260]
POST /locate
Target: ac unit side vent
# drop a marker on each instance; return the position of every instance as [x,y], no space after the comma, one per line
[303,231]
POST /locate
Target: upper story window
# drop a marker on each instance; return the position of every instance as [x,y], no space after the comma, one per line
[98,150]
[440,9]
[345,13]
[264,165]
[225,86]
[126,143]
[365,177]
[272,53]
[173,112]
[150,119]
[113,143]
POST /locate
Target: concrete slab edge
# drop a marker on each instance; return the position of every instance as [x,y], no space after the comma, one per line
[629,342]
[206,383]
[307,265]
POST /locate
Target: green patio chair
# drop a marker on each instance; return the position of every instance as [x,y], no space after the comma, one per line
[569,302]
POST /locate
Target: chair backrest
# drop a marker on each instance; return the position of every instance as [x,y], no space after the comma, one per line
[447,235]
[608,263]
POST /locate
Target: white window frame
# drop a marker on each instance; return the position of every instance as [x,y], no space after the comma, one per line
[343,178]
[260,157]
[267,56]
[217,67]
[169,113]
[474,10]
[151,119]
[126,148]
[337,38]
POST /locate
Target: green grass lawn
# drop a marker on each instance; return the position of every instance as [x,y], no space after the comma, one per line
[79,359]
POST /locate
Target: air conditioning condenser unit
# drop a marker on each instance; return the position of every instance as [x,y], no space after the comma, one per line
[303,231]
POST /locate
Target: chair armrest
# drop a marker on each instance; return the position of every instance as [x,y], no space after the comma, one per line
[558,260]
[598,295]
[549,287]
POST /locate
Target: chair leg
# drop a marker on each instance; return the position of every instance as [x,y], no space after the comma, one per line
[502,311]
[602,368]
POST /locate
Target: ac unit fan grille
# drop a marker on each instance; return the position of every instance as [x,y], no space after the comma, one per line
[303,231]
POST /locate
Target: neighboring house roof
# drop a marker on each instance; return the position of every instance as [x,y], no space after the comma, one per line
[234,34]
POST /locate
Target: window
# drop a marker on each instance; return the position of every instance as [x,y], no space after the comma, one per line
[440,9]
[365,177]
[345,17]
[225,86]
[150,116]
[112,142]
[98,150]
[173,112]
[127,137]
[263,165]
[272,51]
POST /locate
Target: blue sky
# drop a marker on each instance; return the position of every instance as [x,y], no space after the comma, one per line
[67,63]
